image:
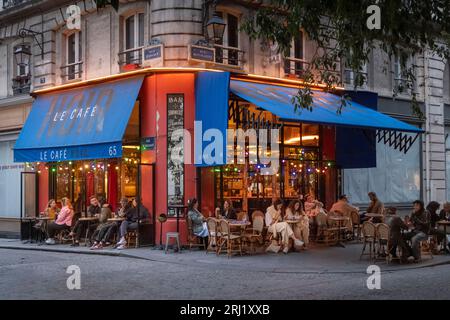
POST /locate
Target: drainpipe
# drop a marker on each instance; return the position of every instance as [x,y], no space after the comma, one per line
[427,129]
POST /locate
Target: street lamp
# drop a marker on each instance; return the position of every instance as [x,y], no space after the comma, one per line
[215,28]
[22,54]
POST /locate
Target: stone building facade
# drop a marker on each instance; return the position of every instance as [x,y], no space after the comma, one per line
[109,42]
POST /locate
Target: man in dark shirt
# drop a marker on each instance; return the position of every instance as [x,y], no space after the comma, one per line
[421,222]
[396,225]
[132,217]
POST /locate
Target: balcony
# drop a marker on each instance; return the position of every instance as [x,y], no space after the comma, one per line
[294,67]
[229,56]
[130,59]
[72,71]
[21,85]
[350,77]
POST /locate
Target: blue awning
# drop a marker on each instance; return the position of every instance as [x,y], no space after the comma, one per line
[82,123]
[277,100]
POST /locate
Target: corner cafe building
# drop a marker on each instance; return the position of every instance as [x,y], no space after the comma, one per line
[111,137]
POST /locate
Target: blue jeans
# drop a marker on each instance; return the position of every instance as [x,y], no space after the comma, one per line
[415,243]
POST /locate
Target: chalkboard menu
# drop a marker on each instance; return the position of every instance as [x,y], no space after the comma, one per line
[175,152]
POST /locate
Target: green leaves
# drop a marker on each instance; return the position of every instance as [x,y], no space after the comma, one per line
[339,28]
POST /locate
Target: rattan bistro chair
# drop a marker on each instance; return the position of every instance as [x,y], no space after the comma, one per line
[193,240]
[214,235]
[356,222]
[232,241]
[255,234]
[382,240]
[368,231]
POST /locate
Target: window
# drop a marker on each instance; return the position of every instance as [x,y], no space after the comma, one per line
[133,38]
[74,56]
[400,83]
[227,51]
[396,179]
[294,64]
[9,181]
[350,74]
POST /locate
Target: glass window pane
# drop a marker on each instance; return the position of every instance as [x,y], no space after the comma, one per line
[310,135]
[9,181]
[71,48]
[80,51]
[141,29]
[129,33]
[292,135]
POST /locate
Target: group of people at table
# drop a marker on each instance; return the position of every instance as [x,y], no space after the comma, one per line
[298,219]
[100,224]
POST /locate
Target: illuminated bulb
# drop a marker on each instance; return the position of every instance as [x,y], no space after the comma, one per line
[86,166]
[117,168]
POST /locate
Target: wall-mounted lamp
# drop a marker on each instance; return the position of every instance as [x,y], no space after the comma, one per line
[23,33]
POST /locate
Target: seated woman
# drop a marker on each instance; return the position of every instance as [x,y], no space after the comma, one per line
[276,225]
[62,222]
[50,212]
[227,212]
[199,227]
[103,223]
[301,229]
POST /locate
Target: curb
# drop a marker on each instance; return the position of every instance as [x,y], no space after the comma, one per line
[232,267]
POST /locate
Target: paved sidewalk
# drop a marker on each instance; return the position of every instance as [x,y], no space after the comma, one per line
[317,259]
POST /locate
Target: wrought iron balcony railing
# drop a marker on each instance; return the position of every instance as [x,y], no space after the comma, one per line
[131,57]
[21,84]
[72,71]
[229,56]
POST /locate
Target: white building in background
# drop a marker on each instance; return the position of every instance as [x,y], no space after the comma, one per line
[109,40]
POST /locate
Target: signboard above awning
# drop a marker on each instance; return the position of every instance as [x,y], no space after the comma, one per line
[83,123]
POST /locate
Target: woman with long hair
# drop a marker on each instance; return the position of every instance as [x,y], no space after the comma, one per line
[301,229]
[62,222]
[199,227]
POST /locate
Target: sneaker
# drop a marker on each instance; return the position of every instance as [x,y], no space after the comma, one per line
[97,247]
[50,241]
[122,246]
[122,241]
[299,243]
[285,249]
[93,245]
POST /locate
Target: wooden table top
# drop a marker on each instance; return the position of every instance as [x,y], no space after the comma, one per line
[374,215]
[444,222]
[293,221]
[88,219]
[116,219]
[44,218]
[337,218]
[238,223]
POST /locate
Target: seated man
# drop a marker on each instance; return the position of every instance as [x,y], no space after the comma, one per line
[80,227]
[421,223]
[343,207]
[132,216]
[274,222]
[396,225]
[375,206]
[101,229]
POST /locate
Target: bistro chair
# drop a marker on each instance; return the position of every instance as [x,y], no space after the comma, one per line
[382,239]
[257,213]
[325,231]
[193,240]
[232,241]
[368,231]
[255,234]
[427,246]
[356,222]
[213,235]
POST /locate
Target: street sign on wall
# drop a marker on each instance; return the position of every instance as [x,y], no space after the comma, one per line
[202,54]
[153,56]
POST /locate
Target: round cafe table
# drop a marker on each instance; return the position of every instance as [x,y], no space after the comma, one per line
[45,221]
[444,223]
[116,219]
[88,221]
[340,221]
